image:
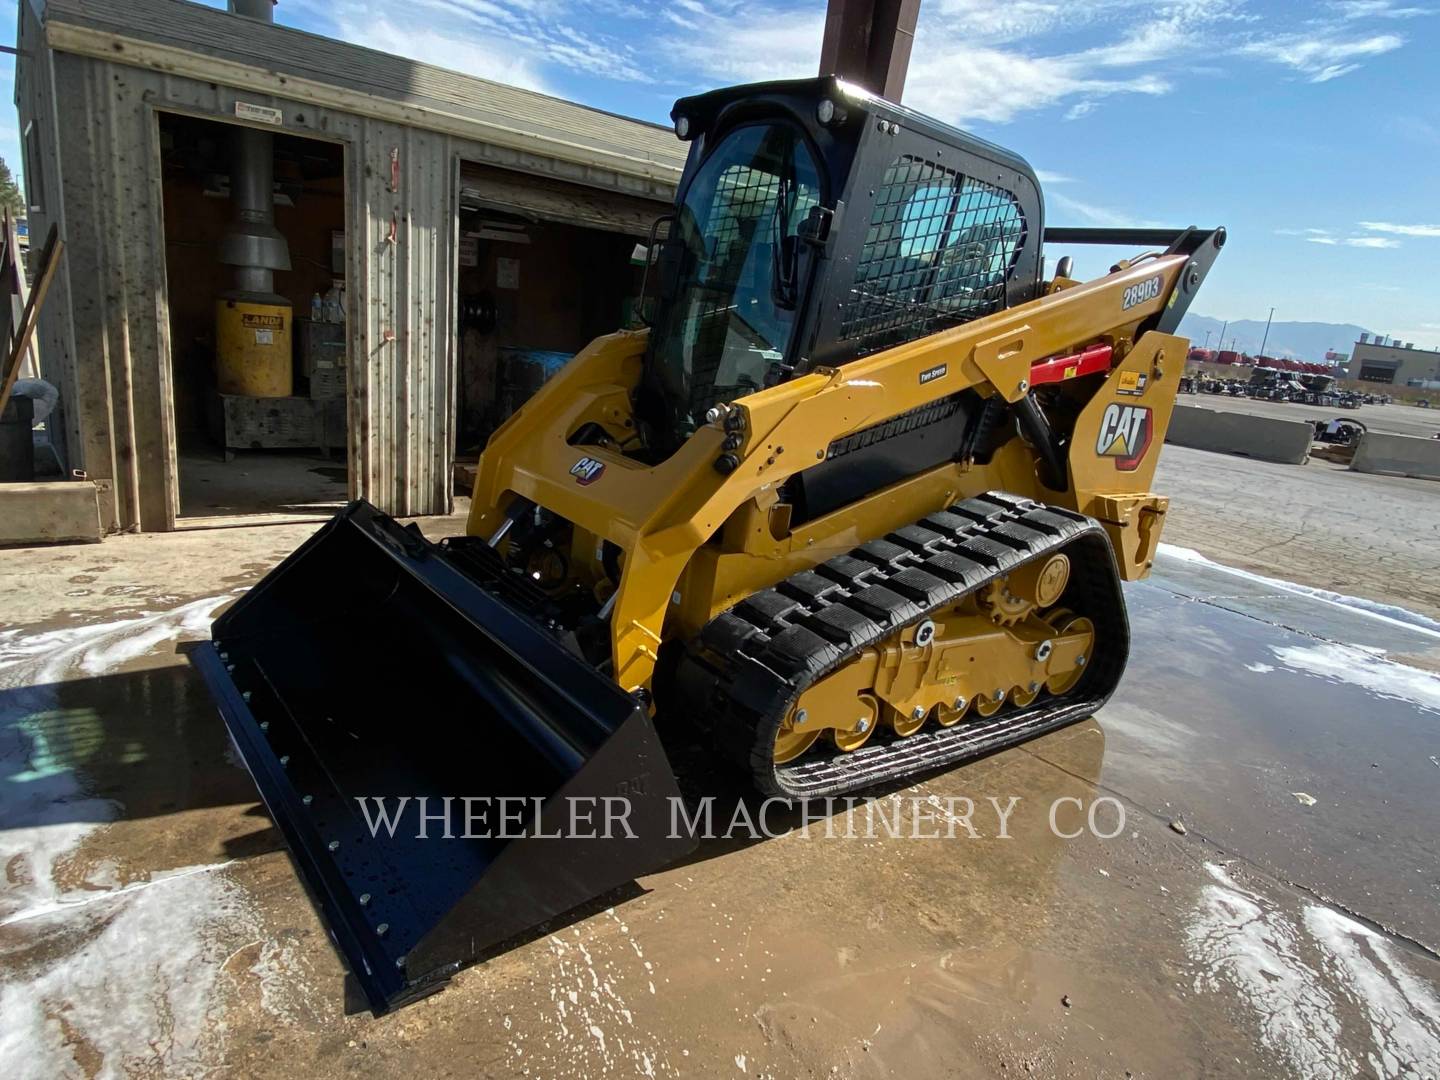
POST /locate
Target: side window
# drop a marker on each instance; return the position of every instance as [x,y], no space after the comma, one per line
[33,164]
[922,223]
[937,251]
[984,237]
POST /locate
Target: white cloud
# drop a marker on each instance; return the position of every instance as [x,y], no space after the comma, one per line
[1320,236]
[973,60]
[996,85]
[1090,214]
[1371,9]
[1401,230]
[1045,176]
[1323,56]
[485,59]
[508,41]
[748,45]
[993,60]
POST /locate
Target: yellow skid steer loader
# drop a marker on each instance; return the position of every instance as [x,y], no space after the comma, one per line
[856,506]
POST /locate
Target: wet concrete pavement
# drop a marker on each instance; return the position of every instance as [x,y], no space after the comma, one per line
[151,924]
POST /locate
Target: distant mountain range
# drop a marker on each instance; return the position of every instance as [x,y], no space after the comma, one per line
[1301,340]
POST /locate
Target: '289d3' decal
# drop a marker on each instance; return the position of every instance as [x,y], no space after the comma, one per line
[1148,289]
[1125,432]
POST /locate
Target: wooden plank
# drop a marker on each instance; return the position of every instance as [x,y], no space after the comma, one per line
[19,295]
[49,261]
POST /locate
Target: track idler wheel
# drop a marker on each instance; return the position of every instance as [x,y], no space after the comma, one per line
[866,721]
[1065,621]
[794,738]
[1026,695]
[949,716]
[988,704]
[906,725]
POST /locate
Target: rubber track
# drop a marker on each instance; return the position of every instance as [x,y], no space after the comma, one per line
[751,662]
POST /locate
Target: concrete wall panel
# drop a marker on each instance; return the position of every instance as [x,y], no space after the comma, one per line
[1398,455]
[1286,441]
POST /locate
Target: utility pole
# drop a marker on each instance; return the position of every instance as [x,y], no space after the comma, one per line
[1207,337]
[1221,338]
[1267,331]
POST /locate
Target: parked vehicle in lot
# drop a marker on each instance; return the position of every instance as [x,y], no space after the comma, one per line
[1338,431]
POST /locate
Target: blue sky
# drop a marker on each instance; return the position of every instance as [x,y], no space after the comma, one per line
[1311,130]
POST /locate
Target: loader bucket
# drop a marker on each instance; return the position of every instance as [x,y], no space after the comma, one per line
[373,664]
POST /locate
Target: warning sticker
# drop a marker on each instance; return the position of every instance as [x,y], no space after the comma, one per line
[263,113]
[264,337]
[1131,382]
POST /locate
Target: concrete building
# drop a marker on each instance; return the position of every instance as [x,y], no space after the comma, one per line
[455,222]
[1396,363]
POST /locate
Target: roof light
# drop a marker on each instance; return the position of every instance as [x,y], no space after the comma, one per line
[828,113]
[682,127]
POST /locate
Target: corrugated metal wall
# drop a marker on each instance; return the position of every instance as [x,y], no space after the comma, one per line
[403,241]
[402,403]
[108,146]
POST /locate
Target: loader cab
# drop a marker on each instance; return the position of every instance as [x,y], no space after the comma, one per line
[814,224]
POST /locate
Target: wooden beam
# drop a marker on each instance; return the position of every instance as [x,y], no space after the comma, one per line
[868,42]
[45,272]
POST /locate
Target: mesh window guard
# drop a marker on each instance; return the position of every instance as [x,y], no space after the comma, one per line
[937,253]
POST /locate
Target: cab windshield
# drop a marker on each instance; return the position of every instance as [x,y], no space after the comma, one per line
[727,331]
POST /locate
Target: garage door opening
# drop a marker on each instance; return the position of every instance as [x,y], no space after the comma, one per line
[255,265]
[545,267]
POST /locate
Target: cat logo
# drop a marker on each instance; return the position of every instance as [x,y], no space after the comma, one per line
[1125,432]
[587,470]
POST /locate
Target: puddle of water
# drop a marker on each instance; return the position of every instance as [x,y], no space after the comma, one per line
[1388,613]
[1327,993]
[1363,668]
[112,965]
[49,656]
[127,984]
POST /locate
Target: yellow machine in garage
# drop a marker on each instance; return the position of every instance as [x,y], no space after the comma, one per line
[856,507]
[253,354]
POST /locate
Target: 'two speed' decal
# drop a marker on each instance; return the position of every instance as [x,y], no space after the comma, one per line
[1125,433]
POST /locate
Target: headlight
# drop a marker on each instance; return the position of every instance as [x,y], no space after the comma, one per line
[682,127]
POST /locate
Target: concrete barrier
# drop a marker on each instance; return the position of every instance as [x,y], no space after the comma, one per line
[45,513]
[1262,437]
[1398,455]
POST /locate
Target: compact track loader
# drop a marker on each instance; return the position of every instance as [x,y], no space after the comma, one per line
[856,506]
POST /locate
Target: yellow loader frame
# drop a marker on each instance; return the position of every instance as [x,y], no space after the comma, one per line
[663,517]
